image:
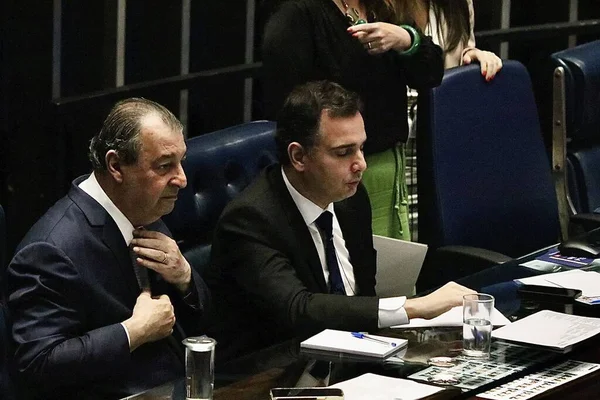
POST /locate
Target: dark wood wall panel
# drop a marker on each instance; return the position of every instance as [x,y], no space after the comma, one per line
[30,144]
[40,151]
[153,40]
[83,58]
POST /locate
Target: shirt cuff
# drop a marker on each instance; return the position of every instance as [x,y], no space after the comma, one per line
[127,333]
[391,312]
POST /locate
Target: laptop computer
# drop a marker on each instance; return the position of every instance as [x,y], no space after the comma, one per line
[398,265]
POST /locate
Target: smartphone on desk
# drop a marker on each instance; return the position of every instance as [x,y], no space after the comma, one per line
[312,393]
[548,293]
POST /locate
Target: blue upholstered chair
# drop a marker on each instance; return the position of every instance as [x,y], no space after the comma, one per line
[218,166]
[484,177]
[576,128]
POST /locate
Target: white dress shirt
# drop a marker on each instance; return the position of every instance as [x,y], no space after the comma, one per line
[93,188]
[391,309]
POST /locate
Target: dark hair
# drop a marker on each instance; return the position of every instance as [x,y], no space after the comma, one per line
[454,12]
[379,10]
[121,129]
[300,117]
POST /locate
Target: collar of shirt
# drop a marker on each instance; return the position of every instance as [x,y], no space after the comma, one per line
[309,210]
[391,311]
[93,188]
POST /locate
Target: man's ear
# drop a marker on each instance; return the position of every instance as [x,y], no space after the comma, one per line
[113,165]
[297,155]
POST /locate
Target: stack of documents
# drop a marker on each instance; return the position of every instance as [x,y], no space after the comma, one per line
[549,329]
[348,342]
[363,387]
[586,281]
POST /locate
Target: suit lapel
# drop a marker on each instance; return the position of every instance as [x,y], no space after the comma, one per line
[298,232]
[346,216]
[111,235]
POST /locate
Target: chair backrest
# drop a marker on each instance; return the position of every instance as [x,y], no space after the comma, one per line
[484,176]
[577,108]
[219,165]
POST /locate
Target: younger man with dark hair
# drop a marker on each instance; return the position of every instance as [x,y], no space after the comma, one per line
[293,254]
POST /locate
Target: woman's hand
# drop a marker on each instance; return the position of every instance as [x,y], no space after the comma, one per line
[490,63]
[379,37]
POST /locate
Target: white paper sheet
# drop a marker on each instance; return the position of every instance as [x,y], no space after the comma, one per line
[549,328]
[454,317]
[363,387]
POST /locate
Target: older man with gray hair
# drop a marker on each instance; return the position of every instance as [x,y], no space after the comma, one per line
[98,290]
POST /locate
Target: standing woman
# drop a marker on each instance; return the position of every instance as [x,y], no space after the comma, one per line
[450,23]
[353,43]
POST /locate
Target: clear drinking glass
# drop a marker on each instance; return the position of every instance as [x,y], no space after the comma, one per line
[477,324]
[199,367]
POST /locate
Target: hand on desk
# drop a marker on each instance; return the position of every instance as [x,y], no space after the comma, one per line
[152,320]
[436,303]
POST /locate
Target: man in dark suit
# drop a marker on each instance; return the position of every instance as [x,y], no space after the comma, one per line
[97,290]
[278,269]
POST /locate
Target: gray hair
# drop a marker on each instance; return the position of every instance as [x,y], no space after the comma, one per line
[121,130]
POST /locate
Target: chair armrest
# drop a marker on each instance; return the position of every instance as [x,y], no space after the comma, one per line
[475,255]
[583,222]
[450,263]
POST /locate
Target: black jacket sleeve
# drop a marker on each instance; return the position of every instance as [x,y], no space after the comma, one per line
[425,68]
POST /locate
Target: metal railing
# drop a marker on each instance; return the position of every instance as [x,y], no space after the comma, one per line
[66,106]
[253,70]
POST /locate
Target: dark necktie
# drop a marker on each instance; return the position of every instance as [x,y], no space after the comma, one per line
[141,273]
[142,276]
[325,223]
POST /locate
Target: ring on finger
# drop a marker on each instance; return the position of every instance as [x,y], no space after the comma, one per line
[164,260]
[369,45]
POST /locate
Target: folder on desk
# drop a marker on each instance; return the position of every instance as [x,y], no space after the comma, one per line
[344,342]
[398,265]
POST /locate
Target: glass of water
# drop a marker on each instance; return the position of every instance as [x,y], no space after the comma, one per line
[199,367]
[477,324]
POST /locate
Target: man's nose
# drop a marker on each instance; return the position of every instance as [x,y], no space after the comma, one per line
[180,180]
[360,164]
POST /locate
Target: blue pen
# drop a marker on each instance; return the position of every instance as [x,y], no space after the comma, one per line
[590,299]
[360,335]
